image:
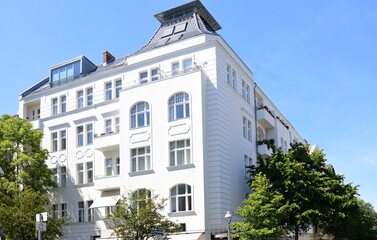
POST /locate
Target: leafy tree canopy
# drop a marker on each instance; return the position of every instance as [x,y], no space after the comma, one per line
[136,217]
[26,180]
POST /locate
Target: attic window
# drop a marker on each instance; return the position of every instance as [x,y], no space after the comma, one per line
[168,32]
[180,28]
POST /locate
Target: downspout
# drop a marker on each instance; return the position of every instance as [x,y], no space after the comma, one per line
[255,114]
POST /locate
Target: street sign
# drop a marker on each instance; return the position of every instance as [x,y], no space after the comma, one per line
[158,232]
[41,217]
[40,226]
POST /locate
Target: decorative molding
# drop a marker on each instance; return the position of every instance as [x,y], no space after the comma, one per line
[179,129]
[140,137]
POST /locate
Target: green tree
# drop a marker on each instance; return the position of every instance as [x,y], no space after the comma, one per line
[26,180]
[312,193]
[136,217]
[261,213]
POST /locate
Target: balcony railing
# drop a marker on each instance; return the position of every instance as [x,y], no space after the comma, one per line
[107,141]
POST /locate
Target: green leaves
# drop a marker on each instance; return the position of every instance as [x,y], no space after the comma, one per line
[26,180]
[137,216]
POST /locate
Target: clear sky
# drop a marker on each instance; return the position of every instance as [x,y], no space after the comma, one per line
[315,59]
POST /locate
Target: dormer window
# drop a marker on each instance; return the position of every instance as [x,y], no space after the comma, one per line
[65,74]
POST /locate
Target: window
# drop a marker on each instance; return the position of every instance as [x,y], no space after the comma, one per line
[108,91]
[187,65]
[139,196]
[63,210]
[89,172]
[108,126]
[180,152]
[181,198]
[175,68]
[88,135]
[63,104]
[154,74]
[63,140]
[54,142]
[90,211]
[228,70]
[243,89]
[54,106]
[244,124]
[80,99]
[249,130]
[117,165]
[80,136]
[179,106]
[117,124]
[89,96]
[65,73]
[140,159]
[140,115]
[55,175]
[63,176]
[248,162]
[118,87]
[55,211]
[81,209]
[247,93]
[80,173]
[234,79]
[143,77]
[109,166]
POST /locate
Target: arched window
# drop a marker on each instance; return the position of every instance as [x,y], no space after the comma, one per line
[179,106]
[181,198]
[140,196]
[140,116]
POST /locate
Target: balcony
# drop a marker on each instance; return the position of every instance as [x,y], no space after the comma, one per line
[265,118]
[105,183]
[264,151]
[107,141]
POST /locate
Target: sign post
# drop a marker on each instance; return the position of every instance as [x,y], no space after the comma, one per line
[40,224]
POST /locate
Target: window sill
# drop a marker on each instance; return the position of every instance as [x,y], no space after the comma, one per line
[182,214]
[84,185]
[133,174]
[181,167]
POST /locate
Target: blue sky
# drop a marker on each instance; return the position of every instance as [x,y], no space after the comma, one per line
[315,59]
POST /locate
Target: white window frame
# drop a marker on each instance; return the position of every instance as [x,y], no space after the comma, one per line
[180,99]
[175,197]
[143,77]
[54,106]
[117,166]
[80,98]
[109,170]
[137,158]
[175,68]
[63,140]
[118,87]
[135,112]
[55,176]
[90,211]
[108,91]
[63,210]
[248,162]
[228,72]
[80,173]
[175,152]
[244,127]
[81,211]
[187,68]
[63,176]
[243,89]
[248,93]
[89,172]
[86,136]
[63,103]
[249,130]
[54,141]
[108,126]
[55,210]
[234,78]
[89,96]
[155,76]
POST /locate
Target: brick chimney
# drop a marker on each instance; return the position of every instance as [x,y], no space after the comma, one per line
[106,58]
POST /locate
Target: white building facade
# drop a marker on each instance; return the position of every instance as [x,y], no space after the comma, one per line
[181,118]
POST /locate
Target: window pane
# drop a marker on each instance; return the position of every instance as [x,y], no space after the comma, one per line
[187,110]
[173,204]
[181,203]
[140,120]
[133,164]
[180,157]
[189,203]
[172,158]
[181,189]
[141,162]
[179,111]
[181,144]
